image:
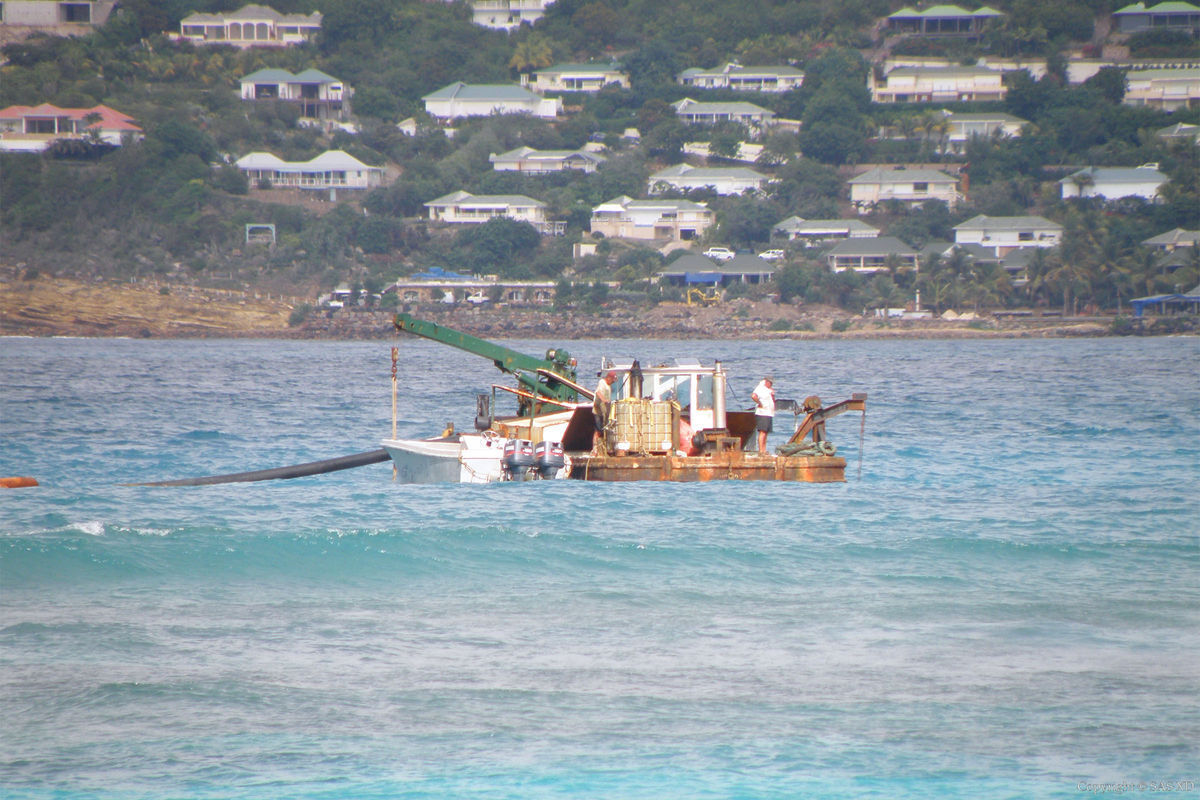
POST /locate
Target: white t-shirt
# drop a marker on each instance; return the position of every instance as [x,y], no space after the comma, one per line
[766,398]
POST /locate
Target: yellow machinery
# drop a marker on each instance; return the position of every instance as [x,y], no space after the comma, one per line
[697,296]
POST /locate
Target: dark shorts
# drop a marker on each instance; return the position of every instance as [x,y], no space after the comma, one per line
[763,423]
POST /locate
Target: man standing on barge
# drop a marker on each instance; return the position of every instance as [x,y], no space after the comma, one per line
[764,410]
[601,404]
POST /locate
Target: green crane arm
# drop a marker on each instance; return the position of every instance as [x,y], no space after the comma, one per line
[558,362]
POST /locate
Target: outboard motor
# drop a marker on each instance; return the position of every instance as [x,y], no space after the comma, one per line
[550,459]
[517,459]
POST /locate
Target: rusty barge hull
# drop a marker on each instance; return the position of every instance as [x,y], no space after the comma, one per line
[733,466]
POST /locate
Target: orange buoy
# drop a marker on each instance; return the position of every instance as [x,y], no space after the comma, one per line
[17,483]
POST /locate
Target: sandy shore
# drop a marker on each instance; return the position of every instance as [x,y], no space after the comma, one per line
[59,306]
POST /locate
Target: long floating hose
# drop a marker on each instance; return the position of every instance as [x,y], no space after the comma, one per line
[281,473]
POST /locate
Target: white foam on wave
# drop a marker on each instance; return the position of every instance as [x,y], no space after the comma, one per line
[92,527]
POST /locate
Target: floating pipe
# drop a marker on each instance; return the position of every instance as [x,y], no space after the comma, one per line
[281,473]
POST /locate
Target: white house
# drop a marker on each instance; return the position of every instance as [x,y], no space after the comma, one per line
[250,26]
[316,93]
[676,220]
[464,208]
[460,100]
[871,255]
[1164,89]
[938,85]
[577,78]
[332,170]
[31,129]
[1174,15]
[722,180]
[962,127]
[816,231]
[910,186]
[1172,239]
[1114,182]
[942,20]
[748,79]
[696,113]
[1179,131]
[1004,234]
[537,162]
[507,14]
[19,17]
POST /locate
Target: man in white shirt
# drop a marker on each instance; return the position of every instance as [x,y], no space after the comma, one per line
[764,410]
[601,406]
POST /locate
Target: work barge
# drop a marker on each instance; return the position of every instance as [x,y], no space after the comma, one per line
[665,422]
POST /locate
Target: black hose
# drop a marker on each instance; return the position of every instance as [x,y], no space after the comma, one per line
[280,473]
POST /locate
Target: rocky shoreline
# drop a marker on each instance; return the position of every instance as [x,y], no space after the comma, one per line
[56,306]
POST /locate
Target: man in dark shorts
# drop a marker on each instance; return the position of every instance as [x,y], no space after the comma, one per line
[764,410]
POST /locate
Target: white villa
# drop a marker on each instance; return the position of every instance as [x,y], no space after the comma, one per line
[507,14]
[537,162]
[332,170]
[1172,239]
[911,186]
[749,79]
[937,85]
[250,26]
[1114,182]
[1164,89]
[32,129]
[962,127]
[816,231]
[318,95]
[676,220]
[577,78]
[696,113]
[1001,235]
[464,208]
[460,100]
[871,255]
[722,180]
[942,20]
[53,16]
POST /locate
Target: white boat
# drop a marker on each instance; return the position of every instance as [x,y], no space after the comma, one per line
[477,457]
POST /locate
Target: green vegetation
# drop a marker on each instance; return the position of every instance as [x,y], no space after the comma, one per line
[173,206]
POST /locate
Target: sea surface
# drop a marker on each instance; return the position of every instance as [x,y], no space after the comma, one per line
[1002,601]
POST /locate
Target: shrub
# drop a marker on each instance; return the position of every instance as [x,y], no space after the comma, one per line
[841,325]
[780,325]
[299,314]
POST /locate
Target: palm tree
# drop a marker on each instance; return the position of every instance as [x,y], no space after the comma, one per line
[534,52]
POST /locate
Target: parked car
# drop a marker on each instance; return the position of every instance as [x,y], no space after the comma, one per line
[719,253]
[478,298]
[771,255]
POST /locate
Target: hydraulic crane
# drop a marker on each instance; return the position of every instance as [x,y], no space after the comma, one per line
[549,379]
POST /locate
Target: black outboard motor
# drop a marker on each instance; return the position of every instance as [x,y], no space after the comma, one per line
[517,459]
[550,459]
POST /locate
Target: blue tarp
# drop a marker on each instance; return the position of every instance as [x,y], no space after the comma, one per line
[1139,304]
[713,278]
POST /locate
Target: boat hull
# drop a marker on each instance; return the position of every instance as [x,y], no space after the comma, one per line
[472,459]
[732,465]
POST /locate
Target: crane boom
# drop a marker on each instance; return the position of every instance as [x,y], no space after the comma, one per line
[538,375]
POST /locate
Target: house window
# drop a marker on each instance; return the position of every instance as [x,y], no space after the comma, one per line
[920,188]
[75,12]
[1025,236]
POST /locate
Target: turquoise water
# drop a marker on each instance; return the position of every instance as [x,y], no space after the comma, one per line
[1005,604]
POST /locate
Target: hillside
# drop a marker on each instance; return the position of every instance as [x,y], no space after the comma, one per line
[173,208]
